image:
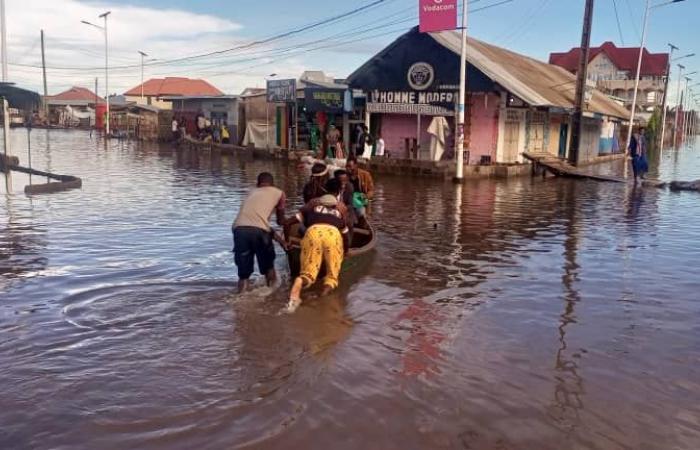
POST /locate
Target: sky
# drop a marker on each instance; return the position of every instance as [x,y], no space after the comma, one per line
[168,30]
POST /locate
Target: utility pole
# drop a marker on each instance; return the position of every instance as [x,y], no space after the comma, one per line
[43,69]
[679,101]
[106,70]
[581,77]
[3,44]
[665,100]
[97,101]
[633,112]
[461,107]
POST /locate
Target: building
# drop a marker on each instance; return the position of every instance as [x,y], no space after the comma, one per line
[74,107]
[22,103]
[155,89]
[299,112]
[219,109]
[514,103]
[614,71]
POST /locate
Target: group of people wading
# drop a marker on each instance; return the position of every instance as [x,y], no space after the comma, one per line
[334,204]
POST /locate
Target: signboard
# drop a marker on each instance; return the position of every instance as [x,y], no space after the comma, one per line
[430,103]
[325,100]
[281,91]
[437,15]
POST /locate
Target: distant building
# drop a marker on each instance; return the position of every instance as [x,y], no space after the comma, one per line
[219,109]
[155,89]
[73,107]
[614,70]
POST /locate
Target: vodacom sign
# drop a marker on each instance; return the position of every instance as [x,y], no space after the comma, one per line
[437,15]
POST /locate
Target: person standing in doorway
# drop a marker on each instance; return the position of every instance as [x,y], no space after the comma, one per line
[175,130]
[225,134]
[252,233]
[381,146]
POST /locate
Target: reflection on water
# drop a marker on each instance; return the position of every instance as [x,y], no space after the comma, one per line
[518,314]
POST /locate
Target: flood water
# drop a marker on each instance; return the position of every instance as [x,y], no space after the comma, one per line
[510,314]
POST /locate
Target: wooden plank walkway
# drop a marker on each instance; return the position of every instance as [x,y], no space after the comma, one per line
[561,168]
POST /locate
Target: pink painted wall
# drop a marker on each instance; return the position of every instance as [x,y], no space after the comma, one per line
[484,130]
[483,139]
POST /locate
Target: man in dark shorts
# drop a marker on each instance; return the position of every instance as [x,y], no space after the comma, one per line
[252,234]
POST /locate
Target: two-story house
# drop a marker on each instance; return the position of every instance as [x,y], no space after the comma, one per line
[613,69]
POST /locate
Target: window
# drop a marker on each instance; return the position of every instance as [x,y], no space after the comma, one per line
[651,97]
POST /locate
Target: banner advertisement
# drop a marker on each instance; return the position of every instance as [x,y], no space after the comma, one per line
[437,15]
[281,91]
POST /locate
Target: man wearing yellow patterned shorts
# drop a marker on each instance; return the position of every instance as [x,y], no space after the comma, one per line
[324,243]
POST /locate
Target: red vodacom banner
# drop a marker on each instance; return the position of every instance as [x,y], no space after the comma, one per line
[437,15]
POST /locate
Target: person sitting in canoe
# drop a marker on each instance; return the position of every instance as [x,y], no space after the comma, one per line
[325,243]
[363,186]
[315,188]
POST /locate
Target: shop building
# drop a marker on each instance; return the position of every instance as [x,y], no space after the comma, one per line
[514,103]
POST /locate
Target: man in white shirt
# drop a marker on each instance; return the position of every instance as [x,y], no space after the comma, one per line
[381,146]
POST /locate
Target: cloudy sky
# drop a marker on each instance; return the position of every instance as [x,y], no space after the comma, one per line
[179,29]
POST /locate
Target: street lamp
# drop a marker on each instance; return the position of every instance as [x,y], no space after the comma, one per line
[104,30]
[665,102]
[683,103]
[648,8]
[143,54]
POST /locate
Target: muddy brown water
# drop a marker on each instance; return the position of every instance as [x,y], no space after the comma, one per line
[518,314]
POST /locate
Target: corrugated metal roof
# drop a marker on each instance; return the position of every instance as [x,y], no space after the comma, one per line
[535,82]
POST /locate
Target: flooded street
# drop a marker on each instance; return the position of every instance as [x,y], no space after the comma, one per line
[504,314]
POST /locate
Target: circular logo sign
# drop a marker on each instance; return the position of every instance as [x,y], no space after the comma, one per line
[421,76]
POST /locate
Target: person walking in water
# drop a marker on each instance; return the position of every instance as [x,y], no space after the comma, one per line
[252,234]
[638,154]
[325,243]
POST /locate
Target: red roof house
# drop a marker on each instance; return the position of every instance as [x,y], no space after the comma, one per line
[625,59]
[172,86]
[75,95]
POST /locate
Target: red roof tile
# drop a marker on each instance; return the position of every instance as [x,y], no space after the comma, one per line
[157,87]
[653,64]
[76,94]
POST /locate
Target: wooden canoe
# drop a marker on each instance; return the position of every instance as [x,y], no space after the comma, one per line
[364,240]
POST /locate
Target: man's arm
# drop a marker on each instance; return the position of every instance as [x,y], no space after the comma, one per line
[279,210]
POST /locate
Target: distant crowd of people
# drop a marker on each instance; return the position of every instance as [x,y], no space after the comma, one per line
[206,131]
[365,144]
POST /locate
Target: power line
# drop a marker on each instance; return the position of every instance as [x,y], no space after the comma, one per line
[243,46]
[619,26]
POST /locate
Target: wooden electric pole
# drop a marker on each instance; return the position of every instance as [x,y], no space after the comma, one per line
[581,76]
[43,68]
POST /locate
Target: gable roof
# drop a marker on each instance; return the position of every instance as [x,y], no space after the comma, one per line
[158,87]
[535,82]
[76,93]
[624,58]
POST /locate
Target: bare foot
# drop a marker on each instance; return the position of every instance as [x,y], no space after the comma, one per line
[326,289]
[243,286]
[295,296]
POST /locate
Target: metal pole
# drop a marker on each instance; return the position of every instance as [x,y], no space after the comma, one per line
[665,102]
[43,68]
[582,75]
[6,127]
[685,113]
[97,100]
[459,142]
[636,80]
[142,77]
[267,122]
[3,44]
[679,99]
[107,129]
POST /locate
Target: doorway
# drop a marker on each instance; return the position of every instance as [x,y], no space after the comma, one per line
[563,138]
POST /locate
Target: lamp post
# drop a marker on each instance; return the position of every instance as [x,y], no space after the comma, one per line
[665,103]
[104,30]
[143,54]
[647,10]
[685,100]
[681,68]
